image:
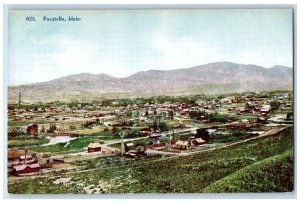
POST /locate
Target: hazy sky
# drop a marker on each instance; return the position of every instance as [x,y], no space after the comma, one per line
[121,43]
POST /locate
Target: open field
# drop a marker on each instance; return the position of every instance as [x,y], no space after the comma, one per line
[24,123]
[26,142]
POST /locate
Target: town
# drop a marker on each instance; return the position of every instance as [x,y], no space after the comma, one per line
[66,137]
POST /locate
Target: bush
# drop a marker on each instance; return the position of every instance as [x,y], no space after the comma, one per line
[52,128]
[163,126]
[274,105]
[72,127]
[216,117]
[203,134]
[141,142]
[198,115]
[290,115]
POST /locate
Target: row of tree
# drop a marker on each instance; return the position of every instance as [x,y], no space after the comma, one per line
[212,117]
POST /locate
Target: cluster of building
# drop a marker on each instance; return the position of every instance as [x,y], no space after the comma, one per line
[155,142]
[23,161]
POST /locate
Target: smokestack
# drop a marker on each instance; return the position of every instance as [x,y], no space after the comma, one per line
[25,156]
[19,99]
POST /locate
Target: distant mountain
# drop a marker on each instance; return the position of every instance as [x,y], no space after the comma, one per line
[213,78]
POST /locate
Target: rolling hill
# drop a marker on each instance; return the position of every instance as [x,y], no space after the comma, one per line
[213,78]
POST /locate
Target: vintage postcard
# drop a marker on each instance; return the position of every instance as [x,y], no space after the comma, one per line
[150,101]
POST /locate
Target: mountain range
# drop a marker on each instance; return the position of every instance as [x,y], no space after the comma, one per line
[213,78]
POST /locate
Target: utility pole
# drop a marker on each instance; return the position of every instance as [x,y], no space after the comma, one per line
[158,117]
[25,156]
[122,134]
[19,100]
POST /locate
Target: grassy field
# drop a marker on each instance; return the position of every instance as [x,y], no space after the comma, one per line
[26,141]
[24,123]
[89,131]
[246,116]
[188,174]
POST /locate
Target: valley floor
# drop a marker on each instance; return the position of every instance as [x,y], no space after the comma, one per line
[237,168]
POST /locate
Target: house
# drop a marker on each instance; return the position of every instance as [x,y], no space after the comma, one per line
[94,147]
[27,159]
[265,109]
[182,145]
[129,146]
[184,111]
[45,159]
[262,120]
[198,141]
[243,110]
[20,118]
[25,168]
[154,138]
[32,129]
[245,121]
[29,117]
[138,152]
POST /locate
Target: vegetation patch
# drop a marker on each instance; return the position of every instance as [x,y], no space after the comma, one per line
[23,141]
[274,174]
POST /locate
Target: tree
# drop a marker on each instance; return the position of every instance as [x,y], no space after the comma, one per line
[154,126]
[88,124]
[171,115]
[52,128]
[290,115]
[141,142]
[203,133]
[274,105]
[129,114]
[165,139]
[198,115]
[18,131]
[163,126]
[42,129]
[137,114]
[72,127]
[113,129]
[216,117]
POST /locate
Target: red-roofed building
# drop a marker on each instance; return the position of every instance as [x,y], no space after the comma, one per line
[198,141]
[32,129]
[25,168]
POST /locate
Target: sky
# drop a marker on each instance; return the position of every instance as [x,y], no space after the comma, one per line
[123,42]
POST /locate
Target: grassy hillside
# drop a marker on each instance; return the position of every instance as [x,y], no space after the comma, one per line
[188,174]
[274,174]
